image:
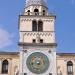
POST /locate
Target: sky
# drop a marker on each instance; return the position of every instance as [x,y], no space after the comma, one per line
[64,25]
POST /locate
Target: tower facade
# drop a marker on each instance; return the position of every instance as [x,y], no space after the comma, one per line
[37,39]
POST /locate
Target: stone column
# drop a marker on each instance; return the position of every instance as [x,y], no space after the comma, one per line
[38,38]
[74,67]
[65,67]
[0,65]
[54,61]
[21,63]
[10,67]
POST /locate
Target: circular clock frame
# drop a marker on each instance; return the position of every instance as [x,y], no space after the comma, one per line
[37,62]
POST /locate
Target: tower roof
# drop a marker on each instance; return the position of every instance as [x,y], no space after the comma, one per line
[36,2]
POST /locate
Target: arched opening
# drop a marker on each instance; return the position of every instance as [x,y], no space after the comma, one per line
[70,68]
[28,12]
[34,25]
[43,12]
[5,67]
[36,11]
[40,25]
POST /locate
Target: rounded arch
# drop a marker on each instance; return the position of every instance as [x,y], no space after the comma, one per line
[34,25]
[70,67]
[69,63]
[36,11]
[5,66]
[40,25]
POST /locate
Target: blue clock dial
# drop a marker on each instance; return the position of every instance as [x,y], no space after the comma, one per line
[37,63]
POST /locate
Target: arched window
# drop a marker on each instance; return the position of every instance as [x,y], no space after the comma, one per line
[5,67]
[34,25]
[40,25]
[43,12]
[36,11]
[28,12]
[70,68]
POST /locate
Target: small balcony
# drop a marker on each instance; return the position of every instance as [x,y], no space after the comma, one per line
[38,13]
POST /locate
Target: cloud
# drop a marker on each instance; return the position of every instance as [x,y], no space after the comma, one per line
[6,38]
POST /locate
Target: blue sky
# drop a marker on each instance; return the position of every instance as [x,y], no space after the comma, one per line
[64,26]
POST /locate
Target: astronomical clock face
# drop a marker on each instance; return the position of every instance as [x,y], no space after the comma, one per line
[37,63]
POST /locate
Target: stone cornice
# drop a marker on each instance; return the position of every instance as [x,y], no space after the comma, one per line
[66,54]
[9,53]
[37,44]
[51,15]
[16,53]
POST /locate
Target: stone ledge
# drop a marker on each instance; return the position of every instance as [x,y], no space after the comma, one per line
[37,44]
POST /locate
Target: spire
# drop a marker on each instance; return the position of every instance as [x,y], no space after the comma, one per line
[36,2]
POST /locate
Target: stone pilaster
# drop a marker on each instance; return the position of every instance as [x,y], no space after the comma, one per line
[21,63]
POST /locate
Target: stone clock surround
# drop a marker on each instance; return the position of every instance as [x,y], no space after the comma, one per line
[49,52]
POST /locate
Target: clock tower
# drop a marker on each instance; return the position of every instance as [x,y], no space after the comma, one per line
[37,39]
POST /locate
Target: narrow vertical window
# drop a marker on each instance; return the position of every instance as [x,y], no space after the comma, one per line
[43,12]
[41,40]
[36,11]
[5,67]
[40,26]
[70,68]
[34,41]
[34,25]
[28,12]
